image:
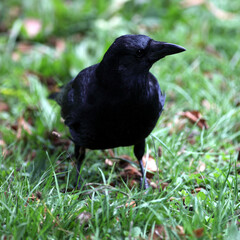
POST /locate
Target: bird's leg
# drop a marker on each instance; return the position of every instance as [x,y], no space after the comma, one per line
[79,155]
[139,152]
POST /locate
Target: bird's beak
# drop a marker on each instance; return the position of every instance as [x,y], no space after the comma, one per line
[159,50]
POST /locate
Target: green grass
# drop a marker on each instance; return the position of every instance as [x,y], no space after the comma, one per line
[37,171]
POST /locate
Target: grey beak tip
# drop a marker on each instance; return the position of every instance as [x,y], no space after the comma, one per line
[174,48]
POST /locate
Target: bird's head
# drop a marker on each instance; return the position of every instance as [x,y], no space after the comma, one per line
[137,53]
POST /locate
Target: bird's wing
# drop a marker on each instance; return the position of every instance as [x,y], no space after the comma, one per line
[155,90]
[73,96]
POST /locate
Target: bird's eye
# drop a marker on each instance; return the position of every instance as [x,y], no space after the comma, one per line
[139,52]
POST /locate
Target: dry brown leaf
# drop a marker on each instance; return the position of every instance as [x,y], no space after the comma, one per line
[2,143]
[56,134]
[15,56]
[159,233]
[153,185]
[24,47]
[180,230]
[172,198]
[5,152]
[60,46]
[14,12]
[151,165]
[32,26]
[108,162]
[131,175]
[111,153]
[133,183]
[4,107]
[201,167]
[217,12]
[130,204]
[195,117]
[157,185]
[125,157]
[199,232]
[33,198]
[191,3]
[212,51]
[164,185]
[57,140]
[197,190]
[38,194]
[206,104]
[22,124]
[122,163]
[84,217]
[159,151]
[130,172]
[31,155]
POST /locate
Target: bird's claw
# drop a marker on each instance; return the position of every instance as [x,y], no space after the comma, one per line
[144,184]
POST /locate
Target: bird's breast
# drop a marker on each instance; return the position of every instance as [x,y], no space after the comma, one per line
[118,124]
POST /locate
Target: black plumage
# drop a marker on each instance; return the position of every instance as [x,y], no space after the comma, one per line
[116,102]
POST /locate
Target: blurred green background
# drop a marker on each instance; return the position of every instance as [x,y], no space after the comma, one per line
[44,44]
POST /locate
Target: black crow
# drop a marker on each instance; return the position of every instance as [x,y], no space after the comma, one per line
[116,102]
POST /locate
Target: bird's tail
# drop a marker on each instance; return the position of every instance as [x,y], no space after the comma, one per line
[53,96]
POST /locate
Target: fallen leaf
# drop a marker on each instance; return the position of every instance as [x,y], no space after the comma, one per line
[180,230]
[56,134]
[31,156]
[130,172]
[199,232]
[191,3]
[32,26]
[164,185]
[195,117]
[15,56]
[33,198]
[5,151]
[24,47]
[60,46]
[111,153]
[125,157]
[2,143]
[131,175]
[159,233]
[122,162]
[84,217]
[4,107]
[3,28]
[130,204]
[57,140]
[153,185]
[159,151]
[177,125]
[15,11]
[217,12]
[201,167]
[38,194]
[149,163]
[212,51]
[108,162]
[206,104]
[197,190]
[22,124]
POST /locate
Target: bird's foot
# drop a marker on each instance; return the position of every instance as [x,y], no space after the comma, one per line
[79,182]
[144,183]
